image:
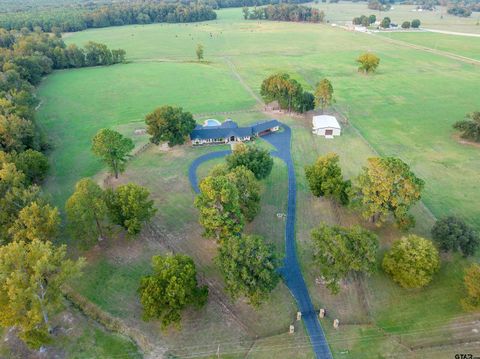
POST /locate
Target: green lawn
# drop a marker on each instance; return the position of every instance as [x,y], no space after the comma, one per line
[77,103]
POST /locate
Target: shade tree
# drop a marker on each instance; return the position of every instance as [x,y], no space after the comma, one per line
[130,206]
[219,208]
[453,234]
[170,288]
[247,186]
[87,211]
[368,63]
[249,267]
[32,275]
[341,251]
[470,127]
[169,124]
[113,148]
[388,186]
[325,178]
[411,261]
[254,158]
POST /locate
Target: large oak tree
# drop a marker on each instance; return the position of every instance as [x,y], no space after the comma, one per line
[170,288]
[388,186]
[249,267]
[169,124]
[339,251]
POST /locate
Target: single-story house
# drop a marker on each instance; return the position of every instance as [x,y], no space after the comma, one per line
[325,125]
[215,132]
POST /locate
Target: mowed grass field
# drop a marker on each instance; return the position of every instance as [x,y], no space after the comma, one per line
[459,45]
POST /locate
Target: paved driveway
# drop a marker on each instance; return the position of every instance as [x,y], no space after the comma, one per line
[291,273]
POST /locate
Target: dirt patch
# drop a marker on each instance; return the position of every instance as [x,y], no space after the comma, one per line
[463,141]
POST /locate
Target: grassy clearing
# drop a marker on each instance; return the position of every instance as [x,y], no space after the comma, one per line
[77,103]
[460,45]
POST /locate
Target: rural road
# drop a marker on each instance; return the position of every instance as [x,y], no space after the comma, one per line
[291,272]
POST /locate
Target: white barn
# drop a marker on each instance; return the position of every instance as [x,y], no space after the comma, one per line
[325,125]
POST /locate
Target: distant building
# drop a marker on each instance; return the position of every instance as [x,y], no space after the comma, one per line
[326,125]
[214,132]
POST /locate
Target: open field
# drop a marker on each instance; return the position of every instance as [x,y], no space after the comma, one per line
[404,110]
[460,45]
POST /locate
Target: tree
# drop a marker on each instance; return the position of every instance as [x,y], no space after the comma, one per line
[169,124]
[32,163]
[406,25]
[31,278]
[387,186]
[16,134]
[368,63]
[249,267]
[170,288]
[472,284]
[471,127]
[36,221]
[372,18]
[199,52]
[288,92]
[219,207]
[247,186]
[130,206]
[415,23]
[452,233]
[254,158]
[386,23]
[87,212]
[325,178]
[324,94]
[113,148]
[339,251]
[246,12]
[412,261]
[14,195]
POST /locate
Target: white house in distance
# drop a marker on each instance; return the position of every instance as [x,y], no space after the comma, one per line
[325,125]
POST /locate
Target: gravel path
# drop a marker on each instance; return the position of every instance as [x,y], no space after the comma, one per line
[291,272]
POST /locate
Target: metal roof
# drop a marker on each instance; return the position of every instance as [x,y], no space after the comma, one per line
[324,121]
[265,125]
[230,128]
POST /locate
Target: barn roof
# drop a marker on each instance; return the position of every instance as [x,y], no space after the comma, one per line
[324,121]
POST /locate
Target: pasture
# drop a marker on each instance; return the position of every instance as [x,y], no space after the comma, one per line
[404,110]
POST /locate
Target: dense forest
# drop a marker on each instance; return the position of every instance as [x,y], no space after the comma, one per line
[284,12]
[77,15]
[81,18]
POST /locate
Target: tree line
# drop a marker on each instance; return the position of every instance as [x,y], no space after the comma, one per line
[284,12]
[28,223]
[115,14]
